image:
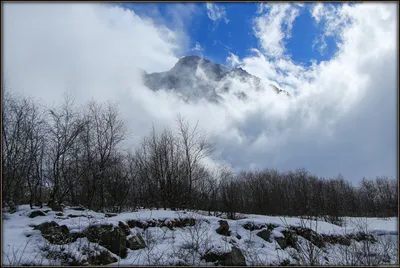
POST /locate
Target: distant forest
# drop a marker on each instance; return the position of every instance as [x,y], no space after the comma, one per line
[74,156]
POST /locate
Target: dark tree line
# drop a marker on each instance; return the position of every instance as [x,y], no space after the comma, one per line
[73,155]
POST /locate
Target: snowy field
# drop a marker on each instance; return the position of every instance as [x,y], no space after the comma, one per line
[188,245]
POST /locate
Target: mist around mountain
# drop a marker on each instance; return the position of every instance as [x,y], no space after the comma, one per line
[195,78]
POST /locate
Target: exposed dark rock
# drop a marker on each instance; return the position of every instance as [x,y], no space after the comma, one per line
[310,235]
[36,213]
[103,258]
[223,228]
[109,215]
[111,237]
[289,240]
[75,236]
[135,223]
[79,208]
[74,216]
[135,242]
[125,228]
[233,258]
[342,240]
[54,233]
[59,214]
[55,207]
[264,234]
[251,226]
[176,223]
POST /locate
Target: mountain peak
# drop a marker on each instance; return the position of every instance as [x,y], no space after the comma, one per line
[195,77]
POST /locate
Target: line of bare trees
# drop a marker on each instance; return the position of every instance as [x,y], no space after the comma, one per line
[73,155]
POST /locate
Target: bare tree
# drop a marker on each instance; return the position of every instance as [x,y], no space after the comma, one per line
[196,147]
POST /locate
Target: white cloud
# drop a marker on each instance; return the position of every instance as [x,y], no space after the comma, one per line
[216,13]
[342,118]
[197,47]
[272,27]
[233,60]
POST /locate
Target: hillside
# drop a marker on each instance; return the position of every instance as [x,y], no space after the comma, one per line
[78,236]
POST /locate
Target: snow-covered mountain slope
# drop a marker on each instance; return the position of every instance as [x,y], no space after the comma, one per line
[196,78]
[157,237]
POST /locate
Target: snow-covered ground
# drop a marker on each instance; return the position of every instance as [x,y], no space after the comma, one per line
[186,245]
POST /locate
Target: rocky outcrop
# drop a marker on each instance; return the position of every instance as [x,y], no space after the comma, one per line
[54,233]
[233,258]
[171,224]
[223,228]
[36,213]
[124,228]
[111,237]
[103,258]
[264,234]
[312,236]
[135,242]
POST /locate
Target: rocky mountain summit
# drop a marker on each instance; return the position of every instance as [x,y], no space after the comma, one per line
[195,78]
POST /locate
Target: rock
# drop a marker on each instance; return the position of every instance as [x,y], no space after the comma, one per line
[364,237]
[135,242]
[238,236]
[55,207]
[103,258]
[111,237]
[233,258]
[36,213]
[79,208]
[59,214]
[73,216]
[251,226]
[125,228]
[264,234]
[289,240]
[135,223]
[223,228]
[75,236]
[54,233]
[109,215]
[342,240]
[310,235]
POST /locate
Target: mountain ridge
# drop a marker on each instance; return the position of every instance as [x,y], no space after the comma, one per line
[195,78]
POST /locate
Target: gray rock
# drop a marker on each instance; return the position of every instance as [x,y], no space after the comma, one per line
[135,242]
[36,213]
[54,233]
[223,228]
[111,237]
[264,234]
[233,258]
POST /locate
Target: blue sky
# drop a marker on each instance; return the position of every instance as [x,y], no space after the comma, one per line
[234,32]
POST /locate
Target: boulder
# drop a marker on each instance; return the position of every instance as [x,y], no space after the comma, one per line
[111,237]
[233,258]
[55,207]
[36,213]
[289,240]
[135,242]
[223,228]
[109,215]
[54,233]
[124,227]
[103,258]
[251,226]
[264,234]
[79,208]
[310,235]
